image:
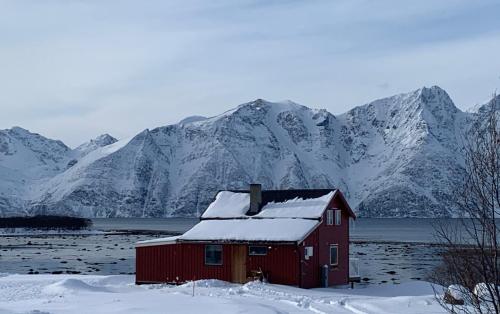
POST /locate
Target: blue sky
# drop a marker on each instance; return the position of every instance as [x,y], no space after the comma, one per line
[72,70]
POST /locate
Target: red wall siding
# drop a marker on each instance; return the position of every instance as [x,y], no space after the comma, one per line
[310,269]
[184,262]
[281,263]
[179,263]
[336,235]
[321,239]
[194,267]
[157,263]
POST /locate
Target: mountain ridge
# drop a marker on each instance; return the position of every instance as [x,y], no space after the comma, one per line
[398,156]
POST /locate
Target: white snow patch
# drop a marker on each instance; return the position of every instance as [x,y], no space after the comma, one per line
[71,285]
[228,204]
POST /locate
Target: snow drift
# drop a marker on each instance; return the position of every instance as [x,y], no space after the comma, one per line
[118,294]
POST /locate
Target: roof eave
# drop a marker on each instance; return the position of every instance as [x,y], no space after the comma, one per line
[309,232]
[137,245]
[344,201]
[257,218]
[221,241]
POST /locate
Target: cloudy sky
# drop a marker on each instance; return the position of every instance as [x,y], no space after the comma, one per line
[72,70]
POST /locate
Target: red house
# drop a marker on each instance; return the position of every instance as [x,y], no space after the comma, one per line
[291,237]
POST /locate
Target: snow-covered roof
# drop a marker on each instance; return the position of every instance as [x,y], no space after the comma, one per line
[285,230]
[296,208]
[158,241]
[229,204]
[286,216]
[251,229]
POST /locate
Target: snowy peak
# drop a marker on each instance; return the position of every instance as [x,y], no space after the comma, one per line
[93,144]
[26,160]
[104,139]
[419,110]
[260,108]
[494,103]
[19,131]
[394,157]
[438,102]
[432,92]
[21,149]
[261,104]
[33,140]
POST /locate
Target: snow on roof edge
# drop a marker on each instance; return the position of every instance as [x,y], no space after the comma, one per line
[251,230]
[158,241]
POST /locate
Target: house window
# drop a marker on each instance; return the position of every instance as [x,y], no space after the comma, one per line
[213,254]
[257,250]
[338,217]
[329,217]
[334,254]
[308,252]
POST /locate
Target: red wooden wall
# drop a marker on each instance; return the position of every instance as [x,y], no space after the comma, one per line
[281,264]
[321,239]
[309,269]
[186,261]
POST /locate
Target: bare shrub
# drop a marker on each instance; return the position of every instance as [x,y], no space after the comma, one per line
[470,258]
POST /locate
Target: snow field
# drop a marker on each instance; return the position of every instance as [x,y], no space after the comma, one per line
[118,294]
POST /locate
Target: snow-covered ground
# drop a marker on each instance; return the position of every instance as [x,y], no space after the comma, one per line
[118,294]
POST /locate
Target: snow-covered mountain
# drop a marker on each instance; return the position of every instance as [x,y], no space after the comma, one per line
[395,157]
[100,141]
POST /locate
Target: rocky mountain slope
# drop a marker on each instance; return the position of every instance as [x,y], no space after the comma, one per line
[395,157]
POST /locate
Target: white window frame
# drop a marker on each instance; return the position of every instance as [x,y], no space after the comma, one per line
[338,217]
[329,217]
[330,254]
[308,252]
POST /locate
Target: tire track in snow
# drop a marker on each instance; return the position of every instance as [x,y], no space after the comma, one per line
[353,309]
[319,305]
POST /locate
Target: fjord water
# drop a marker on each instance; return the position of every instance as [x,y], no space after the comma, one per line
[362,229]
[388,250]
[176,225]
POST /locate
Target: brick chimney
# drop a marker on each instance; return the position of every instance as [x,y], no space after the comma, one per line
[255,199]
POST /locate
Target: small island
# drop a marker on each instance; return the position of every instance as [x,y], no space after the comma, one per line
[46,222]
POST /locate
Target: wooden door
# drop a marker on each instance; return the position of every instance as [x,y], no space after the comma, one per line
[238,263]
